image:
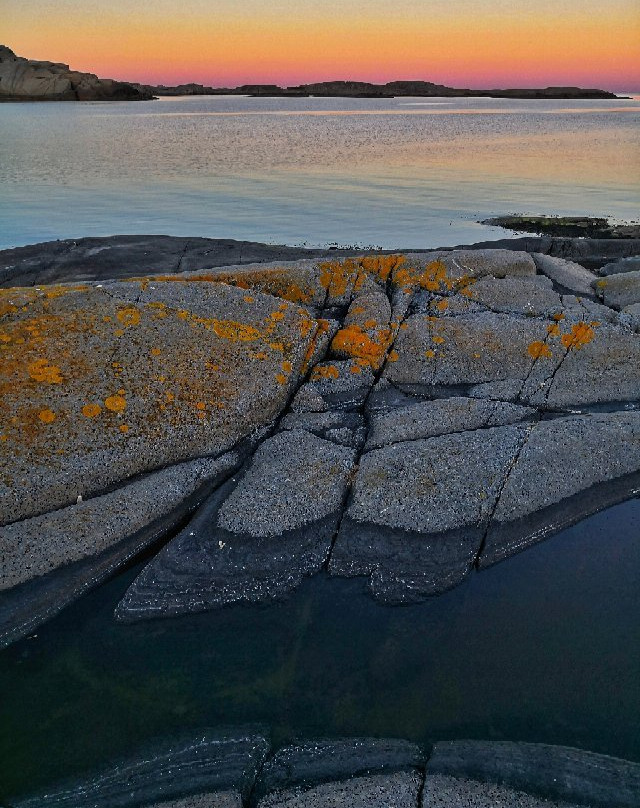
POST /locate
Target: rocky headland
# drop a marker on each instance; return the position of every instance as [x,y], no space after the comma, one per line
[30,80]
[566,226]
[365,89]
[404,417]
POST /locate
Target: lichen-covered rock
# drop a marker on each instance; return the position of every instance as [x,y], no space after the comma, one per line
[101,383]
[254,540]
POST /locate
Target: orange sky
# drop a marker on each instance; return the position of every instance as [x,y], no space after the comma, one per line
[474,43]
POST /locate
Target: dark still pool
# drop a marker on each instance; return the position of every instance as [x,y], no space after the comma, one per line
[543,647]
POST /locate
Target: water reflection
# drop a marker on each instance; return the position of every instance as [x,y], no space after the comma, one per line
[542,647]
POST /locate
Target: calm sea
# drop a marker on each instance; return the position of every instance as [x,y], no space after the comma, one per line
[393,173]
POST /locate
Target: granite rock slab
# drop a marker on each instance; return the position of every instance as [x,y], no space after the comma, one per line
[442,791]
[567,275]
[618,291]
[255,538]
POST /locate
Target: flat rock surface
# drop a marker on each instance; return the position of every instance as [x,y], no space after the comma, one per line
[566,274]
[397,790]
[442,791]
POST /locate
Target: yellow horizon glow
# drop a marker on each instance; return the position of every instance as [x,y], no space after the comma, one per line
[498,46]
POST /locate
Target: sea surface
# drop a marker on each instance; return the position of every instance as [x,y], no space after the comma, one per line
[542,647]
[393,173]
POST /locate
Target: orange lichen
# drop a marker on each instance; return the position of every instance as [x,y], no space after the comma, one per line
[353,341]
[155,352]
[47,416]
[432,278]
[123,428]
[438,340]
[128,316]
[393,356]
[281,378]
[42,371]
[557,317]
[200,405]
[325,372]
[442,305]
[580,334]
[381,266]
[115,403]
[287,366]
[553,330]
[430,354]
[91,410]
[538,349]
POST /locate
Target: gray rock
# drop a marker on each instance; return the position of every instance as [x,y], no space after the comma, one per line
[418,511]
[567,469]
[555,772]
[621,265]
[396,790]
[566,274]
[333,761]
[337,385]
[466,350]
[254,541]
[526,296]
[51,560]
[440,417]
[346,428]
[98,388]
[619,290]
[442,791]
[221,764]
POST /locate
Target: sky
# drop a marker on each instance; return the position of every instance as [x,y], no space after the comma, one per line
[464,43]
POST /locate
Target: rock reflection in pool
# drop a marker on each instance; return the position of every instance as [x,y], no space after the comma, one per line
[542,647]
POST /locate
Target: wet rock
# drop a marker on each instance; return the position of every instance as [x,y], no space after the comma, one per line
[554,772]
[50,560]
[97,388]
[566,274]
[418,511]
[619,290]
[397,790]
[335,761]
[440,417]
[212,768]
[567,469]
[254,541]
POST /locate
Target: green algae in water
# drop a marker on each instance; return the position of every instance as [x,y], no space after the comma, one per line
[543,647]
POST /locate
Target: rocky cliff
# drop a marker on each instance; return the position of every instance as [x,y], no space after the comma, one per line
[29,80]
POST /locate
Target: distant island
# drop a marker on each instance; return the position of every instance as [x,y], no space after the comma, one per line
[31,80]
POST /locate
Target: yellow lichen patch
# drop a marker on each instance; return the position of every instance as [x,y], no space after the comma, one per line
[557,317]
[277,315]
[325,372]
[115,403]
[553,330]
[123,428]
[42,371]
[442,305]
[438,340]
[248,299]
[353,341]
[381,266]
[91,410]
[538,349]
[155,352]
[355,369]
[47,416]
[432,278]
[430,354]
[200,405]
[393,356]
[281,378]
[287,366]
[580,334]
[128,316]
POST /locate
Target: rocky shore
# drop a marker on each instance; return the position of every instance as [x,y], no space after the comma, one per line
[31,80]
[237,767]
[407,418]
